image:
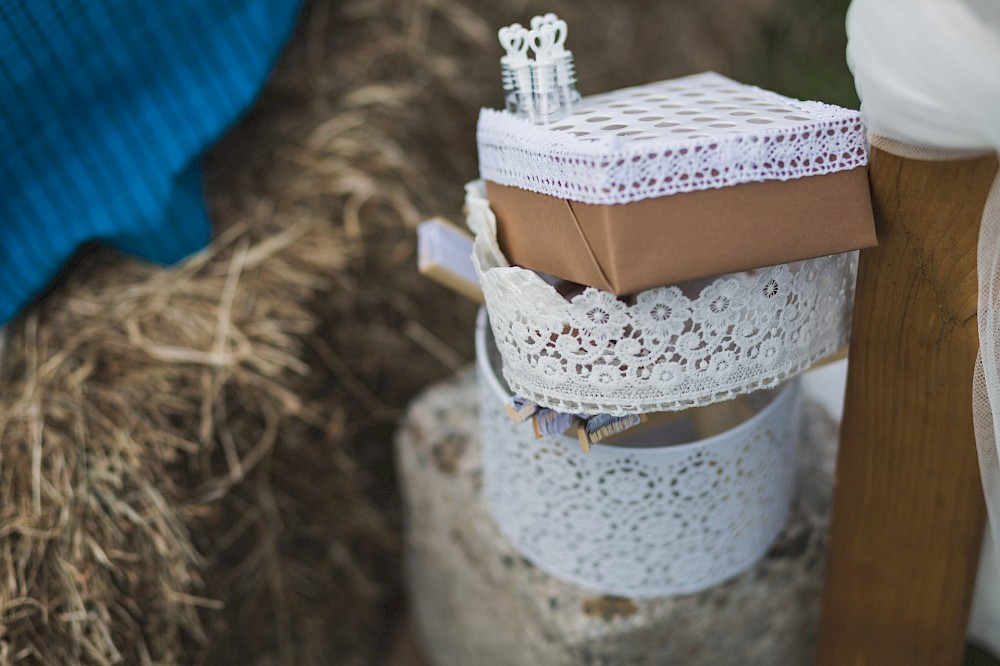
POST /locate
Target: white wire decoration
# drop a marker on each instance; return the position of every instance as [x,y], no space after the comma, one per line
[649,521]
[674,347]
[693,133]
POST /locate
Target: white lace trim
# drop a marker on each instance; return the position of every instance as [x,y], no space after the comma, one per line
[694,133]
[639,522]
[675,347]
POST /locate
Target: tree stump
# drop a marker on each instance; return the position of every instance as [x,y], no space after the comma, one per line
[476,600]
[908,510]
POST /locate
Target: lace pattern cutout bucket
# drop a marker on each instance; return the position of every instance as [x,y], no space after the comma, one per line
[655,515]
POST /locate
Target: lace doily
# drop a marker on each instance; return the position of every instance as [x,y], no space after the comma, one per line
[694,133]
[674,347]
[639,522]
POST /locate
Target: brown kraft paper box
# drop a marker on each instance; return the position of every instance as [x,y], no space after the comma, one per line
[626,248]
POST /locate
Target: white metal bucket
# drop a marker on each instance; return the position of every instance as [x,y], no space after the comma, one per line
[655,516]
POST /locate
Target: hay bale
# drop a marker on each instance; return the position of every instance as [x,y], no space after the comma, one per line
[143,412]
[195,463]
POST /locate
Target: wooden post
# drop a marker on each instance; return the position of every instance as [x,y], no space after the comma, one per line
[908,512]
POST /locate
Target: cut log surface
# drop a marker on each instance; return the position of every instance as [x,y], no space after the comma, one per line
[476,600]
[908,510]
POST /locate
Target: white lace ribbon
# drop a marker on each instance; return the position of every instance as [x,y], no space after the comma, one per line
[674,347]
[928,74]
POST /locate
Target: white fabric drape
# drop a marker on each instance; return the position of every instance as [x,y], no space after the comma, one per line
[928,75]
[928,71]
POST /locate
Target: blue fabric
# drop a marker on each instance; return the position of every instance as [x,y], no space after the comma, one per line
[105,107]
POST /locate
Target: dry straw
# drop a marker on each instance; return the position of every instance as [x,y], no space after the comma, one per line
[195,463]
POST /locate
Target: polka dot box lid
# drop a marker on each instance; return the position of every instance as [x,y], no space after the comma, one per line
[693,133]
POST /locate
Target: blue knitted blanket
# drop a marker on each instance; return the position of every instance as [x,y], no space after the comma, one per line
[105,108]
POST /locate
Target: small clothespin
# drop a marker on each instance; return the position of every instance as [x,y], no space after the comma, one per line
[520,410]
[547,422]
[601,426]
[581,436]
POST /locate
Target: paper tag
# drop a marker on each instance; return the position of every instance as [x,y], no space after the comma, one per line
[444,254]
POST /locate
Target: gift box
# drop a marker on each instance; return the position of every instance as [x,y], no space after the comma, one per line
[674,181]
